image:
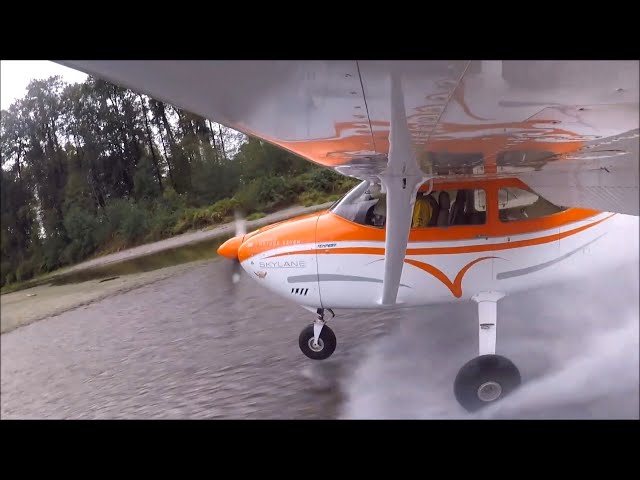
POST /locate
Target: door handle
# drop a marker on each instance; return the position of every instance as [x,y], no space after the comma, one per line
[484,237]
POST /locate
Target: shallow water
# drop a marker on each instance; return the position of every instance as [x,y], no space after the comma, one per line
[193,346]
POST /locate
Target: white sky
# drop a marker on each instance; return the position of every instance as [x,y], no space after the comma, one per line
[15,75]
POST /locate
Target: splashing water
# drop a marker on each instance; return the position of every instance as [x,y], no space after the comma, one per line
[576,346]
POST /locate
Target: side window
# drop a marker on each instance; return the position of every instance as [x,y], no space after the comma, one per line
[446,207]
[515,204]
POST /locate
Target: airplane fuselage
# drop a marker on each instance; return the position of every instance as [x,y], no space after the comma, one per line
[324,260]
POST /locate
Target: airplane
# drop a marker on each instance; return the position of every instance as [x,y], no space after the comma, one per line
[527,172]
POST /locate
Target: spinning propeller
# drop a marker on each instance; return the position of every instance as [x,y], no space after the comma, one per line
[229,249]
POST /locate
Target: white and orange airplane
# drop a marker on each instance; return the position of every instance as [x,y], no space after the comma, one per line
[527,172]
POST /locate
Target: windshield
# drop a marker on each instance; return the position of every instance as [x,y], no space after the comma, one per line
[364,204]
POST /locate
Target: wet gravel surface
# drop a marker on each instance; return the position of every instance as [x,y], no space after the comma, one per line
[193,346]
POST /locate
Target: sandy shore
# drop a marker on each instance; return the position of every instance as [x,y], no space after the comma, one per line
[33,304]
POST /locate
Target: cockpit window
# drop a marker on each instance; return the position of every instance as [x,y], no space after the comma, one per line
[446,207]
[364,204]
[516,204]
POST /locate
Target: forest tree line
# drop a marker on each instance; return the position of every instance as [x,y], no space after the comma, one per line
[91,168]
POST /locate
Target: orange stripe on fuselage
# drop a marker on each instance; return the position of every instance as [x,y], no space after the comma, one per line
[447,250]
[344,251]
[327,227]
[456,286]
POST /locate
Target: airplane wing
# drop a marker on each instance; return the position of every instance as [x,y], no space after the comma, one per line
[568,129]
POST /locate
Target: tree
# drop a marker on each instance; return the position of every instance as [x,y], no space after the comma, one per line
[90,165]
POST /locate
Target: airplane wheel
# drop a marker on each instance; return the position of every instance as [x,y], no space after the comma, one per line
[484,380]
[326,343]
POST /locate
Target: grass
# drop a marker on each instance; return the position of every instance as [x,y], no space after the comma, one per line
[256,216]
[165,258]
[314,197]
[33,282]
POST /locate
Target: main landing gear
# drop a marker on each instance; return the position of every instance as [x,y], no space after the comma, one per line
[488,377]
[317,341]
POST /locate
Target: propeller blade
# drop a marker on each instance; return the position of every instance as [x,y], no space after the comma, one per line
[236,270]
[241,224]
[240,230]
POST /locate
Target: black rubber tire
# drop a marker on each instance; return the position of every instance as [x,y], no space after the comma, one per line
[482,369]
[327,339]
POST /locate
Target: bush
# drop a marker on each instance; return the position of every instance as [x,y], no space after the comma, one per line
[298,184]
[161,223]
[247,197]
[266,194]
[134,224]
[123,223]
[25,271]
[81,227]
[6,270]
[225,207]
[195,218]
[310,198]
[51,249]
[321,179]
[115,213]
[275,193]
[171,200]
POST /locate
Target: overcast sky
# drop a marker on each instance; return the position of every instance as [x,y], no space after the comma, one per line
[16,75]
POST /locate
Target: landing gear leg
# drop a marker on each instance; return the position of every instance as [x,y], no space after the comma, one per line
[317,341]
[488,377]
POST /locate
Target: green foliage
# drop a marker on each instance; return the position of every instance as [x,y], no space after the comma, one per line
[247,197]
[195,218]
[322,180]
[145,182]
[24,271]
[81,227]
[311,197]
[172,201]
[115,213]
[213,181]
[225,207]
[160,224]
[8,277]
[267,194]
[134,224]
[256,216]
[52,249]
[92,167]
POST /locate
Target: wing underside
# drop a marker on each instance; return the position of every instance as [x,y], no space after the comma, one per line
[569,129]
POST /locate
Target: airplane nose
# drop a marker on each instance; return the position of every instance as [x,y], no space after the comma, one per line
[229,248]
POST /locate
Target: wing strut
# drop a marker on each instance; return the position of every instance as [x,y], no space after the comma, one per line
[401,180]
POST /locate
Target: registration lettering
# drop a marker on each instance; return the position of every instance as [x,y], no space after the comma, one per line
[284,264]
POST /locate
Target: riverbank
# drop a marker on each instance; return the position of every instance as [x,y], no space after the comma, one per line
[96,279]
[182,248]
